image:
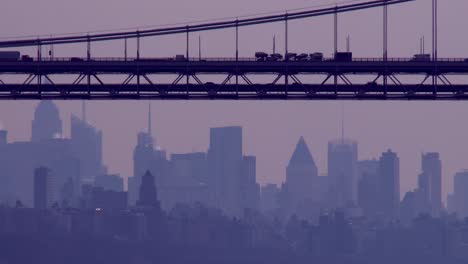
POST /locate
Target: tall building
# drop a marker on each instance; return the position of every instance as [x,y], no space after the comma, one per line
[148,157]
[87,145]
[299,190]
[389,184]
[187,181]
[342,170]
[368,174]
[269,198]
[43,188]
[148,195]
[459,202]
[250,189]
[48,149]
[46,123]
[432,172]
[225,167]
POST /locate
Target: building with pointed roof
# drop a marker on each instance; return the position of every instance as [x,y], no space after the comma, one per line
[301,174]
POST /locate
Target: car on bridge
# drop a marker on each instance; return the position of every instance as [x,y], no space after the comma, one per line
[316,56]
[421,58]
[344,56]
[76,59]
[261,56]
[290,56]
[275,57]
[26,58]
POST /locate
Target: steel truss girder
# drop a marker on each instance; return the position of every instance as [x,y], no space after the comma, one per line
[224,88]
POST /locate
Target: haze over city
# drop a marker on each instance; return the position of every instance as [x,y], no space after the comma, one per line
[153,149]
[409,128]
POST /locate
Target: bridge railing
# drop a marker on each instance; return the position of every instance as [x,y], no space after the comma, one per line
[227,59]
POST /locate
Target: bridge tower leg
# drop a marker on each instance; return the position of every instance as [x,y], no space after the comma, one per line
[138,63]
[286,40]
[39,75]
[125,49]
[237,58]
[336,48]
[187,61]
[385,48]
[434,45]
[88,73]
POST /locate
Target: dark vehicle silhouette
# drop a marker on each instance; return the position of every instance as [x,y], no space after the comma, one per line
[76,59]
[26,58]
[261,56]
[421,57]
[9,55]
[317,56]
[344,56]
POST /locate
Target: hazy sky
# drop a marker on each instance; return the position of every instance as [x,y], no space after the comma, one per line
[271,129]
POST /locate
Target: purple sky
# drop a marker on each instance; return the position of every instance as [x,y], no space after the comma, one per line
[271,129]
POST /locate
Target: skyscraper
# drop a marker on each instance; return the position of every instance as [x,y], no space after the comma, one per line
[250,190]
[368,174]
[87,145]
[46,123]
[187,180]
[225,164]
[460,194]
[148,158]
[43,188]
[148,195]
[433,166]
[389,184]
[342,170]
[301,178]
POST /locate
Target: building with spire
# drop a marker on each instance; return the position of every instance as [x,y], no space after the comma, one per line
[147,158]
[342,171]
[299,192]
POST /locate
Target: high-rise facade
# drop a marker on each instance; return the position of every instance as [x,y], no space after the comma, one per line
[389,185]
[250,189]
[86,142]
[368,174]
[187,180]
[342,170]
[459,202]
[44,191]
[299,190]
[432,170]
[229,172]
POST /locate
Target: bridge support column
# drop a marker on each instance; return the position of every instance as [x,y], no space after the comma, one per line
[434,46]
[38,74]
[237,58]
[187,61]
[385,48]
[138,63]
[286,51]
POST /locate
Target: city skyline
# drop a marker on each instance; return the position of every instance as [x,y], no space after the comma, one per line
[320,156]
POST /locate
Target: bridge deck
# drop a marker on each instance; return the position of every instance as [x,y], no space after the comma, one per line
[229,65]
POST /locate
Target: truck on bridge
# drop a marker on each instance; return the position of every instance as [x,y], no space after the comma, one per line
[9,55]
